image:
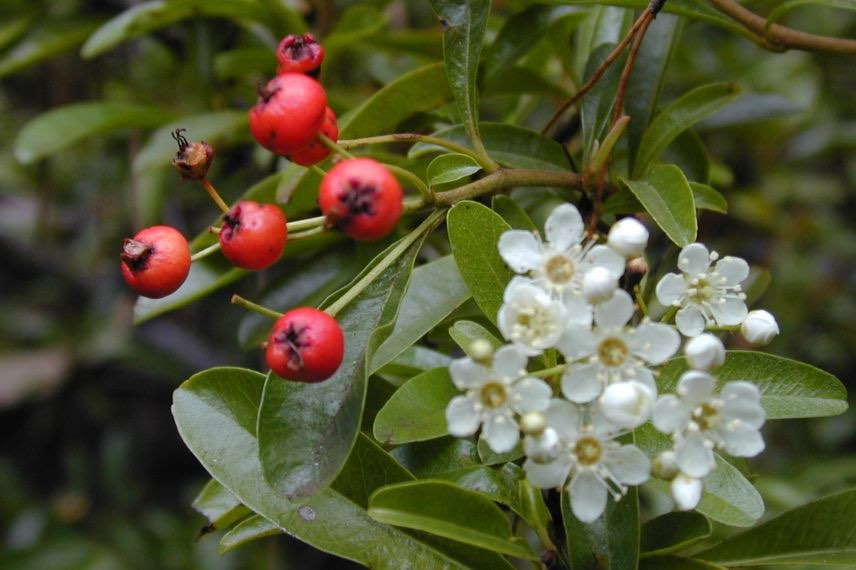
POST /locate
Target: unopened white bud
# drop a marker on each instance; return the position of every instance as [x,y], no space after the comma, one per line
[686,491]
[481,350]
[759,327]
[533,423]
[628,237]
[627,404]
[704,352]
[542,448]
[665,465]
[599,284]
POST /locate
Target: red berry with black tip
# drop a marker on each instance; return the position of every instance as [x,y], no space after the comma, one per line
[306,345]
[361,197]
[299,54]
[316,151]
[289,113]
[253,234]
[156,261]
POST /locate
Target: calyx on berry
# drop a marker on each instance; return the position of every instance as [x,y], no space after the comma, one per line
[299,54]
[361,197]
[253,235]
[156,261]
[317,151]
[306,345]
[193,159]
[289,113]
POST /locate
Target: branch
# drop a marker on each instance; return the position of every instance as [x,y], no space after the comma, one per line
[508,178]
[781,37]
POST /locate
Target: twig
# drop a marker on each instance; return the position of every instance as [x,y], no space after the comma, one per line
[618,112]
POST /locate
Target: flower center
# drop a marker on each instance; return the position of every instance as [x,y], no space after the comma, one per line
[612,352]
[588,450]
[706,416]
[559,269]
[532,324]
[493,395]
[701,290]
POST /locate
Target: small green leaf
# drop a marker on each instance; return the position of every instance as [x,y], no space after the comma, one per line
[248,530]
[678,117]
[417,410]
[708,198]
[665,193]
[437,457]
[611,542]
[490,457]
[676,563]
[219,505]
[451,167]
[464,333]
[446,510]
[59,128]
[820,532]
[50,39]
[689,154]
[784,8]
[516,216]
[597,104]
[474,231]
[673,532]
[789,389]
[237,63]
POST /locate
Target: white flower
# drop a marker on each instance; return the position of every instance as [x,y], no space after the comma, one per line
[700,420]
[493,395]
[627,404]
[704,352]
[612,351]
[530,318]
[705,295]
[595,463]
[599,284]
[686,491]
[759,327]
[628,237]
[559,264]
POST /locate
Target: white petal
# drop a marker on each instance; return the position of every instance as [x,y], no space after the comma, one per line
[520,249]
[581,383]
[548,475]
[690,321]
[466,373]
[462,418]
[578,341]
[606,257]
[654,342]
[530,395]
[744,412]
[629,465]
[616,312]
[509,362]
[588,497]
[646,378]
[695,387]
[704,352]
[577,310]
[742,441]
[670,415]
[733,269]
[695,456]
[501,433]
[686,492]
[671,288]
[564,417]
[731,312]
[741,391]
[627,404]
[694,259]
[564,227]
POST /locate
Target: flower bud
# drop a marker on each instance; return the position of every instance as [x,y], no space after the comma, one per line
[704,352]
[481,351]
[533,423]
[665,465]
[628,237]
[193,159]
[627,404]
[542,448]
[599,284]
[686,491]
[759,327]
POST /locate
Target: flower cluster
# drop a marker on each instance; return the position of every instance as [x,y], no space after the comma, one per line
[566,306]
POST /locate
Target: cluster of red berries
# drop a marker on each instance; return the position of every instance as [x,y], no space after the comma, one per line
[358,196]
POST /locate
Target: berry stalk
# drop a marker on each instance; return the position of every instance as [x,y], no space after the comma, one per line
[256,308]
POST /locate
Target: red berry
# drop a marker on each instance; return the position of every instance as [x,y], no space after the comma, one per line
[316,151]
[361,197]
[156,261]
[299,54]
[253,235]
[289,113]
[305,344]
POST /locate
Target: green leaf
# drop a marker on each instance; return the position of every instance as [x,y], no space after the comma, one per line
[474,231]
[490,457]
[417,410]
[237,63]
[516,216]
[437,457]
[215,412]
[451,167]
[597,104]
[673,532]
[403,98]
[446,510]
[59,128]
[610,542]
[784,8]
[249,529]
[678,117]
[820,532]
[689,154]
[789,389]
[509,145]
[708,198]
[219,506]
[436,289]
[676,563]
[464,24]
[357,24]
[306,431]
[149,16]
[665,193]
[48,40]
